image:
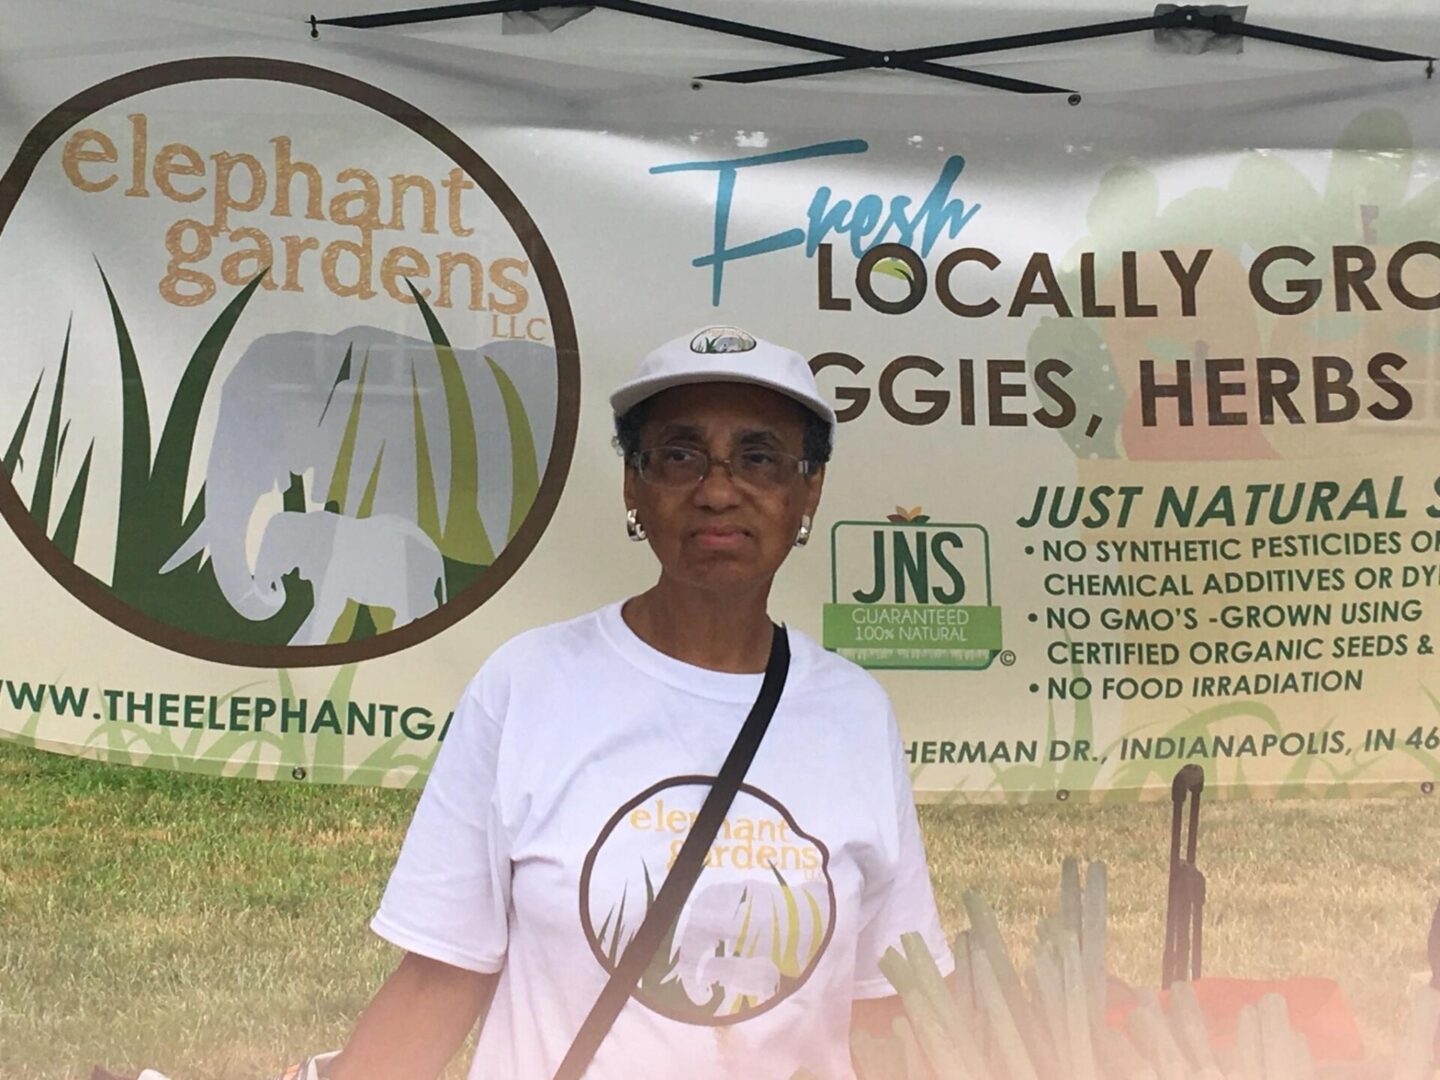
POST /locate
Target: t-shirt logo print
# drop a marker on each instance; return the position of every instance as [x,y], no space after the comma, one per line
[752,930]
[722,339]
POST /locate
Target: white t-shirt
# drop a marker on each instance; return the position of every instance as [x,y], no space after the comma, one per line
[575,764]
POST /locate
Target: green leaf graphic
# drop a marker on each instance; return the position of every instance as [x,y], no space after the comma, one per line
[388,762]
[328,765]
[194,515]
[133,524]
[427,510]
[49,453]
[785,953]
[345,459]
[177,438]
[367,499]
[893,268]
[294,745]
[343,375]
[67,532]
[464,538]
[12,452]
[524,473]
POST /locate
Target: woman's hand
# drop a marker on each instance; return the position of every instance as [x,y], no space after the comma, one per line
[414,1025]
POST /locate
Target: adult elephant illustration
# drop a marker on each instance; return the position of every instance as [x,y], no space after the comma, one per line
[369,422]
[384,561]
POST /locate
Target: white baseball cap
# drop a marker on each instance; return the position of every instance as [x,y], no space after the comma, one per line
[724,354]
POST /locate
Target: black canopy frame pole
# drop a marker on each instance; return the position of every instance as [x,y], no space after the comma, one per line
[902,57]
[854,57]
[1181,18]
[920,61]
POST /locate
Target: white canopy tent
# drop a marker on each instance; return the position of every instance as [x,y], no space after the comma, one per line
[604,56]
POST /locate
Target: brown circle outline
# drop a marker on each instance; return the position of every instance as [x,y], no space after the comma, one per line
[587,869]
[101,600]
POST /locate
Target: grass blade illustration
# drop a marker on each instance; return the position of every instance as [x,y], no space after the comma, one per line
[194,515]
[817,928]
[177,438]
[372,485]
[223,757]
[613,949]
[12,452]
[328,762]
[133,523]
[358,616]
[1142,770]
[344,460]
[389,762]
[341,376]
[293,746]
[785,952]
[427,511]
[464,538]
[49,453]
[67,531]
[60,449]
[524,473]
[742,936]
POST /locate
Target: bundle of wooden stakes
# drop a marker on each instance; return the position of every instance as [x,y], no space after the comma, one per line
[1052,1024]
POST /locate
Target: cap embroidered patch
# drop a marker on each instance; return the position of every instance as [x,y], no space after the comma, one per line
[722,339]
[723,354]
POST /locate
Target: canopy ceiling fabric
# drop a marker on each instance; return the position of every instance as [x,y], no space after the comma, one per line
[606,55]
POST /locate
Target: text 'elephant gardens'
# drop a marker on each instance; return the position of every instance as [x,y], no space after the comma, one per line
[233,193]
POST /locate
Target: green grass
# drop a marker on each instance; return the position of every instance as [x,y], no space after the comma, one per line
[216,928]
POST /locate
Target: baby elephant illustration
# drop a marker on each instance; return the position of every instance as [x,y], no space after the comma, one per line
[385,561]
[746,937]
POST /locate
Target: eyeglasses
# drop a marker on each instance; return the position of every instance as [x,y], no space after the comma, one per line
[681,466]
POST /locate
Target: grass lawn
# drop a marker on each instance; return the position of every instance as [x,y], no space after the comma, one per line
[216,928]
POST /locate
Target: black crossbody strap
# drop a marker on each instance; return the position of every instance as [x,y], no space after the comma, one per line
[688,864]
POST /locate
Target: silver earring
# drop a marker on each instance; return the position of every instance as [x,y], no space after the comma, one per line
[633,528]
[803,536]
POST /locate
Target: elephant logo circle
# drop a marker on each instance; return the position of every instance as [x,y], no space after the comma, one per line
[753,928]
[306,394]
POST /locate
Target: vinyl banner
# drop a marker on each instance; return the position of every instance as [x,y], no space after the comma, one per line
[304,408]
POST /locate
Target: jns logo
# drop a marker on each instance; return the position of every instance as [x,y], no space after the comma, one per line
[911,593]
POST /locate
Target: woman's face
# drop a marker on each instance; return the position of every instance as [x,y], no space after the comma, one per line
[718,532]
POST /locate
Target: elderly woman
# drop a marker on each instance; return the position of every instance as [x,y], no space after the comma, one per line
[581,754]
